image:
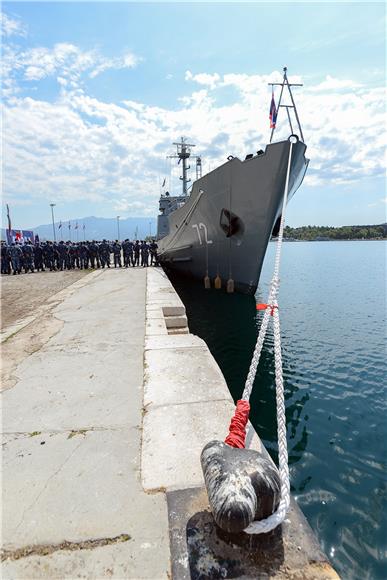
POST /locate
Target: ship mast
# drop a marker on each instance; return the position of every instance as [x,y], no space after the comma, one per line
[285,83]
[183,153]
[198,168]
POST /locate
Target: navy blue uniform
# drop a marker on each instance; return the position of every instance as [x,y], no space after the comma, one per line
[117,254]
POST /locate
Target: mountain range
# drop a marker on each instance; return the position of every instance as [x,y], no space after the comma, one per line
[98,229]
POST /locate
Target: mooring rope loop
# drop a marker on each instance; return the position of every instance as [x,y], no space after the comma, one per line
[272,312]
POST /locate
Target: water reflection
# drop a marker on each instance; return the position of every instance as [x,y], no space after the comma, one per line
[229,325]
[332,300]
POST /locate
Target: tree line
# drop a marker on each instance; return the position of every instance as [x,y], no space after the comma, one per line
[310,233]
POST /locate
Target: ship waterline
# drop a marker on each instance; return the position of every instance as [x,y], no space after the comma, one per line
[223,228]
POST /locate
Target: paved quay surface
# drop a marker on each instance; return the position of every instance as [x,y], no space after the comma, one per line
[108,401]
[23,294]
[72,441]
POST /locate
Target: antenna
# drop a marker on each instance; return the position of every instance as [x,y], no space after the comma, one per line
[183,153]
[285,82]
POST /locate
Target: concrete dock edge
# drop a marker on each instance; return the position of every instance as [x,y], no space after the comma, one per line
[187,404]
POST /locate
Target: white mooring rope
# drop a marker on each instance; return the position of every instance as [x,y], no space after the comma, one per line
[268,524]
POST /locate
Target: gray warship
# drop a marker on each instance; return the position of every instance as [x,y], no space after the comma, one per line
[221,229]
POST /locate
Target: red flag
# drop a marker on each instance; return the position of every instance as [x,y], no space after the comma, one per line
[273,112]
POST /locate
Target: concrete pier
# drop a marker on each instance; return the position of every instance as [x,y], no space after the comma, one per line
[104,419]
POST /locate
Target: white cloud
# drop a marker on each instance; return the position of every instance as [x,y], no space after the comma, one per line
[133,207]
[11,26]
[210,80]
[64,60]
[333,84]
[81,147]
[129,60]
[380,201]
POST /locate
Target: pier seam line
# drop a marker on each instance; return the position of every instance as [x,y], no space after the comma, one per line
[117,427]
[48,549]
[147,407]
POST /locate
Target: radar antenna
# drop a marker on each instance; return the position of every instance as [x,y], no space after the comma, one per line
[285,83]
[183,153]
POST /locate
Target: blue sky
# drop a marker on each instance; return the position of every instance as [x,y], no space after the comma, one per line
[95,93]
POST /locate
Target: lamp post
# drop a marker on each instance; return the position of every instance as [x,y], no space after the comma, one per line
[52,205]
[118,227]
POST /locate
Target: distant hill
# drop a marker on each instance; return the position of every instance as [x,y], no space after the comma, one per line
[325,233]
[98,228]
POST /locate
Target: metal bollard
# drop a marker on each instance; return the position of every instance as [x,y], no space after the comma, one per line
[242,485]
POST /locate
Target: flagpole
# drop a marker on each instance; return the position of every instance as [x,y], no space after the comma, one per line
[279,102]
[52,205]
[285,81]
[9,240]
[70,230]
[84,233]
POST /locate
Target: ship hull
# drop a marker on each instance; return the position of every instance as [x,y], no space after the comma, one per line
[224,227]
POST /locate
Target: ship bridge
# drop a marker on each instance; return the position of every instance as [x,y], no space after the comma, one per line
[168,204]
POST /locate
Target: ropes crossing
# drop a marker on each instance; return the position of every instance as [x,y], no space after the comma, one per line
[272,312]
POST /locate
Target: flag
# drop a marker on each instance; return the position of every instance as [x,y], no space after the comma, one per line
[84,227]
[273,112]
[60,225]
[163,183]
[9,219]
[69,226]
[76,225]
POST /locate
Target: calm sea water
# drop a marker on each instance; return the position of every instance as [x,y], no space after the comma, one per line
[332,307]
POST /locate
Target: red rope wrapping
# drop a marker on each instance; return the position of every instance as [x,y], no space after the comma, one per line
[264,306]
[237,431]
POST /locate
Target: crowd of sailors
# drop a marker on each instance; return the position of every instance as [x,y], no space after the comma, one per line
[82,255]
